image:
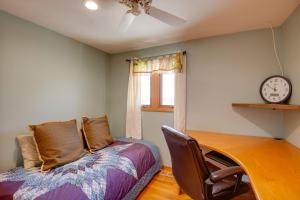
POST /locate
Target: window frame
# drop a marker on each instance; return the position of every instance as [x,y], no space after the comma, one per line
[156,95]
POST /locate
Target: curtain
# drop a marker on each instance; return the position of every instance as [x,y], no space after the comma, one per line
[165,63]
[180,97]
[133,116]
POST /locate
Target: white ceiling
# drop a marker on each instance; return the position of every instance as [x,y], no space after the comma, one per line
[100,28]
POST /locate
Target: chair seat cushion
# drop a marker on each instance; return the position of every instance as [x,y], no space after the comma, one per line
[223,187]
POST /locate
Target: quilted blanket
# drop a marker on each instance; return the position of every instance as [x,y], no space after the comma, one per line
[119,171]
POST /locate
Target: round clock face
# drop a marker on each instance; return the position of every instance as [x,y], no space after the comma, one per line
[276,89]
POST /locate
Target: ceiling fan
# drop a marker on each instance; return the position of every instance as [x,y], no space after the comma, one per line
[137,7]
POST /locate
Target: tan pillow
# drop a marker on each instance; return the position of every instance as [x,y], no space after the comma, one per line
[29,151]
[58,143]
[96,132]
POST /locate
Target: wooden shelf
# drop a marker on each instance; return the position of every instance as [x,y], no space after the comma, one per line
[267,106]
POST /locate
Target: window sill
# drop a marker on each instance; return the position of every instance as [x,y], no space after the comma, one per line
[158,109]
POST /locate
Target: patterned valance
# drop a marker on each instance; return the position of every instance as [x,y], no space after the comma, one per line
[169,63]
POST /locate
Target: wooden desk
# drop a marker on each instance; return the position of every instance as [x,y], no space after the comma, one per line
[273,166]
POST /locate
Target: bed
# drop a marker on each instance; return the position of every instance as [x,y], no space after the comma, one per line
[119,171]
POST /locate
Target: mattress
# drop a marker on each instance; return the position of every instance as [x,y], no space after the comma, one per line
[119,171]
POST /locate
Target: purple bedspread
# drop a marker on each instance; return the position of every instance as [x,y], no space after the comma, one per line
[108,174]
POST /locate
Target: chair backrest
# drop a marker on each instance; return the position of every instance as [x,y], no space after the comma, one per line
[188,165]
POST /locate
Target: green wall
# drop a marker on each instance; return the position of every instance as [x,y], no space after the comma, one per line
[291,49]
[221,70]
[44,76]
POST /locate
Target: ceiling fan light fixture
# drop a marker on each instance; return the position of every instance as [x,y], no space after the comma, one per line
[91,4]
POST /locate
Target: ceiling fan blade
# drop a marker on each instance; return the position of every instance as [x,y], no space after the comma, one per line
[126,22]
[166,17]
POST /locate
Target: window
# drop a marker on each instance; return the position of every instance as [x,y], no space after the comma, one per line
[168,89]
[146,90]
[157,92]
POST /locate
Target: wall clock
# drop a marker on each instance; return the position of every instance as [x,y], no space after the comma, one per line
[276,89]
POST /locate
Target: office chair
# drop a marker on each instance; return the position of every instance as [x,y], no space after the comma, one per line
[191,172]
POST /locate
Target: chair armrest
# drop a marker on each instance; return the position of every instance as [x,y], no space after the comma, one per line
[224,173]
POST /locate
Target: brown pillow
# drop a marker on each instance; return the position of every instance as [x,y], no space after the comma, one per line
[58,143]
[96,132]
[29,151]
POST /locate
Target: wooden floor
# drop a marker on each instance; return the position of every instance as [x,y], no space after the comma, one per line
[164,187]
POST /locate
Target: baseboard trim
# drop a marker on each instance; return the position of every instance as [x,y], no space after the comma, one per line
[167,168]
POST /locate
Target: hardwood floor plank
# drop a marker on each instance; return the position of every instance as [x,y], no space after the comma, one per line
[164,187]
